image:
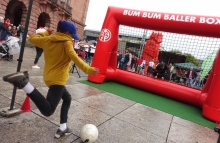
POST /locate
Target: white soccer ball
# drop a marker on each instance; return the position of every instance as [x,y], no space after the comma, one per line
[89,133]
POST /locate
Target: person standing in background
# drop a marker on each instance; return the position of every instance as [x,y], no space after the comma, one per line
[21,31]
[4,32]
[150,68]
[139,65]
[39,51]
[130,58]
[14,31]
[191,75]
[197,80]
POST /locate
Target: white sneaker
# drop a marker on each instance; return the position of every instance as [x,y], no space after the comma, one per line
[35,67]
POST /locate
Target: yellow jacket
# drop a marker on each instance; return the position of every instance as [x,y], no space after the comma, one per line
[58,53]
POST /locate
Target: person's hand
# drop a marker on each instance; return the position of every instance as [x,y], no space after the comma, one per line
[96,71]
[50,31]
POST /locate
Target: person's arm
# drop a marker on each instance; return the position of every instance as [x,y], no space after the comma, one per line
[78,61]
[2,26]
[82,44]
[187,74]
[37,39]
[195,74]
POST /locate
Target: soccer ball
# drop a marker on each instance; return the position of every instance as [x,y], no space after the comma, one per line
[89,133]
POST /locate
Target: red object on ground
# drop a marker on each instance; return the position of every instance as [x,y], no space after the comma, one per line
[26,107]
[105,57]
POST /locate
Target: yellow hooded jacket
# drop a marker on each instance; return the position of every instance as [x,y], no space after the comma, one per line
[58,53]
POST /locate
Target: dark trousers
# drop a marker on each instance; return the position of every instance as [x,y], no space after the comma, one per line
[48,105]
[39,52]
[123,65]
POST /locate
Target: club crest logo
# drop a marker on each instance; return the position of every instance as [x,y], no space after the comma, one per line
[105,35]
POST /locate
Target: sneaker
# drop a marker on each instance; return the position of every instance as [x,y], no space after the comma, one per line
[19,79]
[60,133]
[35,67]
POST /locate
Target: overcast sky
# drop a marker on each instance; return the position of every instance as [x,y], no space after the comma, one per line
[98,8]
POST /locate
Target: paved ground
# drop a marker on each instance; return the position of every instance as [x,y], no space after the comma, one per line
[119,120]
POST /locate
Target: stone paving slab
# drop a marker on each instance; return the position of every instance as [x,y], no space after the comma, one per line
[118,131]
[107,103]
[30,128]
[5,86]
[118,120]
[148,119]
[182,131]
[6,102]
[21,96]
[79,115]
[79,90]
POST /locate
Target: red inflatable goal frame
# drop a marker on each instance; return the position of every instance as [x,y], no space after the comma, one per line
[105,57]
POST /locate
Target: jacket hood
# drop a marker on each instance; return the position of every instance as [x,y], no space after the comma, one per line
[59,37]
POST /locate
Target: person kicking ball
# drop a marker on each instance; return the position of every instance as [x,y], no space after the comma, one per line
[58,53]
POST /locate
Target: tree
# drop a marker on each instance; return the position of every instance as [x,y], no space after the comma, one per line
[189,57]
[192,59]
[176,51]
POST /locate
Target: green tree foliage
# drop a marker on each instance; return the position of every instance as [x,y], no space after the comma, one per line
[192,59]
[189,57]
[176,51]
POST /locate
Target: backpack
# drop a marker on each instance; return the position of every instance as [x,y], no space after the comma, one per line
[80,53]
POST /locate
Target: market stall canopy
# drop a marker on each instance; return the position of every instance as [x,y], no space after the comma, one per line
[187,66]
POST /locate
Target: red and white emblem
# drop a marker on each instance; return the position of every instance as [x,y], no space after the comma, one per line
[105,35]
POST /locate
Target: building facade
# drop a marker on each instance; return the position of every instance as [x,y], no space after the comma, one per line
[135,43]
[46,13]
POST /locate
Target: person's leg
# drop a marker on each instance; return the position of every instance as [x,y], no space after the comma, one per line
[154,73]
[141,71]
[39,52]
[190,82]
[197,83]
[138,69]
[47,105]
[128,67]
[65,106]
[64,130]
[21,34]
[150,73]
[160,75]
[120,65]
[124,66]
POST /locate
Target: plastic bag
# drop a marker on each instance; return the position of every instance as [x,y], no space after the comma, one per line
[13,45]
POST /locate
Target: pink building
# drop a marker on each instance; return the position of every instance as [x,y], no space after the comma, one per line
[45,13]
